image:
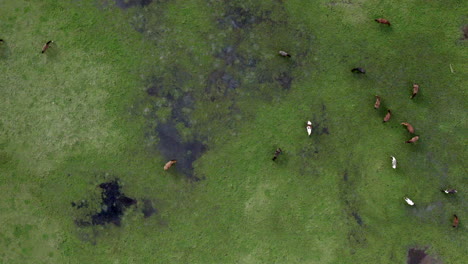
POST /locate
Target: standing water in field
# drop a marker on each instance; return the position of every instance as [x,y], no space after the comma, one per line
[113,205]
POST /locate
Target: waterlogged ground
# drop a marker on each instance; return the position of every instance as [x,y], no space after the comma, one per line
[86,128]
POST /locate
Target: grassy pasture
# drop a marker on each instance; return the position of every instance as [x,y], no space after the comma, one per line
[99,104]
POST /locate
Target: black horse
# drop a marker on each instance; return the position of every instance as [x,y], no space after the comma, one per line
[277,152]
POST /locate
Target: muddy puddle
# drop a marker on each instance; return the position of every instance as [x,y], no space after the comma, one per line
[419,256]
[172,147]
[148,208]
[124,4]
[113,204]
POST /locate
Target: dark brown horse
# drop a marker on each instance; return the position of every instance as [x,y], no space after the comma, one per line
[382,21]
[449,191]
[46,46]
[409,127]
[415,90]
[387,116]
[377,102]
[455,221]
[358,70]
[277,152]
[413,139]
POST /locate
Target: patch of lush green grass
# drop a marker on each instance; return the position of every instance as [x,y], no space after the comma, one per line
[78,116]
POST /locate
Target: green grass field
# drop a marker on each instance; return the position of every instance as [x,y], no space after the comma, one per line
[123,90]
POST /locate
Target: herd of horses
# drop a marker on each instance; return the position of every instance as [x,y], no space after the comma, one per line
[409,127]
[378,99]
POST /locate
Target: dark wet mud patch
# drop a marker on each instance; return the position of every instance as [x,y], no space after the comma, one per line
[220,85]
[419,256]
[189,102]
[319,122]
[168,94]
[156,87]
[357,240]
[172,147]
[431,213]
[242,17]
[464,32]
[113,205]
[284,79]
[148,209]
[358,218]
[124,4]
[246,51]
[80,204]
[181,107]
[4,50]
[88,236]
[229,55]
[350,201]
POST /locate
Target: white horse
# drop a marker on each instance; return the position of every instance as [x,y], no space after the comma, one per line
[408,201]
[393,162]
[309,127]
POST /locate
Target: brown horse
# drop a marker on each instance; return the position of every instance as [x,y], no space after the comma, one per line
[377,102]
[409,127]
[455,221]
[415,91]
[382,21]
[284,53]
[169,164]
[387,116]
[413,139]
[277,152]
[46,46]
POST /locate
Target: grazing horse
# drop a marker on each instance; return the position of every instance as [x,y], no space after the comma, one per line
[409,127]
[449,191]
[408,201]
[358,70]
[277,152]
[377,102]
[284,53]
[394,162]
[387,116]
[309,128]
[169,164]
[415,90]
[413,139]
[382,21]
[46,46]
[455,221]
